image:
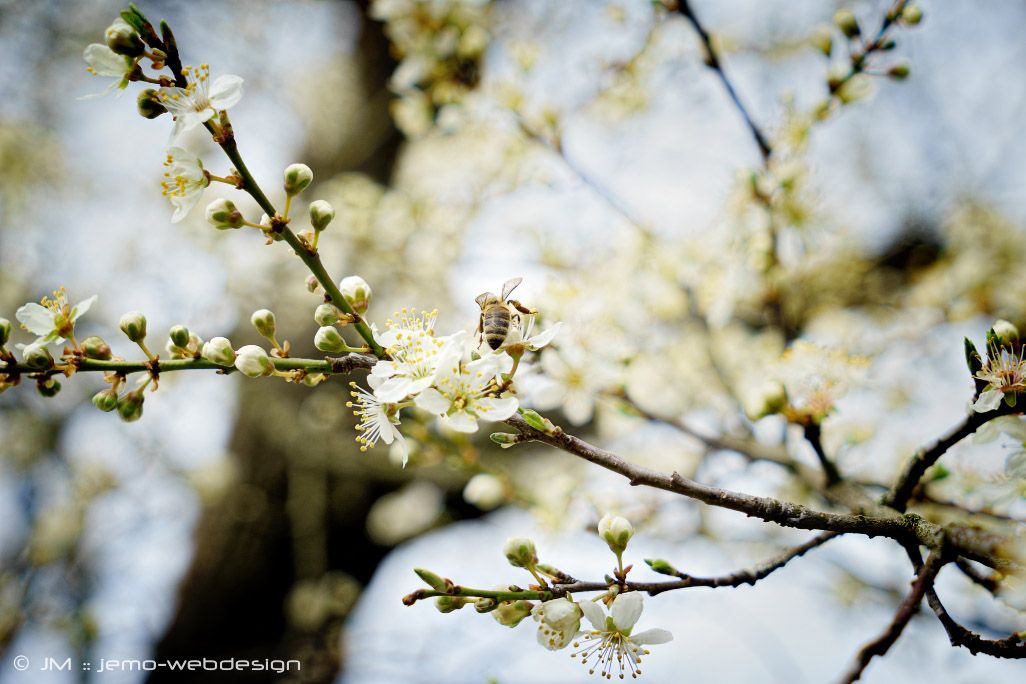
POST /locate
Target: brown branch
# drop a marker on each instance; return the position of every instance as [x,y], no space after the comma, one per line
[982,579]
[712,59]
[813,434]
[880,645]
[1013,646]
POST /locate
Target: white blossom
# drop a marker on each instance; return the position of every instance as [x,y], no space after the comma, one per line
[558,622]
[415,355]
[1005,372]
[378,420]
[200,100]
[252,361]
[103,61]
[611,645]
[460,395]
[52,320]
[184,181]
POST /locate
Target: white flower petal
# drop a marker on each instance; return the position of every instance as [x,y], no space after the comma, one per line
[988,401]
[36,318]
[104,61]
[460,421]
[596,616]
[626,610]
[225,91]
[652,636]
[432,401]
[82,307]
[495,409]
[541,339]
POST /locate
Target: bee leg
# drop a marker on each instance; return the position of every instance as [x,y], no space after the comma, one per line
[480,330]
[521,308]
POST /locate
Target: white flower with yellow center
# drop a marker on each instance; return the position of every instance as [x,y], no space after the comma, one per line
[378,420]
[460,395]
[103,61]
[200,100]
[415,355]
[52,320]
[184,181]
[610,646]
[1005,372]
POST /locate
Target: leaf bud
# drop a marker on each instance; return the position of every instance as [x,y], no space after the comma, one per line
[900,71]
[96,348]
[123,39]
[328,339]
[223,215]
[431,579]
[357,293]
[252,361]
[106,400]
[219,350]
[133,324]
[179,335]
[321,214]
[297,178]
[504,439]
[263,321]
[520,552]
[662,567]
[311,283]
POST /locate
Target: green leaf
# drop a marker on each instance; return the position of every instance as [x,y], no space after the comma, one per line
[535,420]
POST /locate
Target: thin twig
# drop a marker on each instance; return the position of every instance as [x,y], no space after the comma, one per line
[713,61]
[813,435]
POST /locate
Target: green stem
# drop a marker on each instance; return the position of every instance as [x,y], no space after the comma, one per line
[500,596]
[170,365]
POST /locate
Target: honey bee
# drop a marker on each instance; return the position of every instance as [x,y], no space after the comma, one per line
[496,313]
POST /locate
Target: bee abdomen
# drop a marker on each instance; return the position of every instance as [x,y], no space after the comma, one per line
[496,326]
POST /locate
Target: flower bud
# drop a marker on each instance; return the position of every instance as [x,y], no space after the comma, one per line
[179,335]
[520,552]
[900,71]
[297,178]
[149,105]
[96,348]
[846,21]
[311,283]
[505,439]
[510,613]
[823,40]
[1005,332]
[912,15]
[106,400]
[123,39]
[130,406]
[133,324]
[219,350]
[484,491]
[767,399]
[326,314]
[252,361]
[5,332]
[616,532]
[357,293]
[328,339]
[448,604]
[662,567]
[37,357]
[263,321]
[222,214]
[48,387]
[321,214]
[431,579]
[485,605]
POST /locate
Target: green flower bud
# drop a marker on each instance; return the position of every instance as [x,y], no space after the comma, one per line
[297,178]
[1005,332]
[179,335]
[485,605]
[37,357]
[222,214]
[662,567]
[321,214]
[252,361]
[5,332]
[328,339]
[846,21]
[448,604]
[326,314]
[49,387]
[616,532]
[263,321]
[504,439]
[96,348]
[106,400]
[765,400]
[899,72]
[130,406]
[357,293]
[431,579]
[133,324]
[822,39]
[123,39]
[148,105]
[219,350]
[510,613]
[912,15]
[311,284]
[520,552]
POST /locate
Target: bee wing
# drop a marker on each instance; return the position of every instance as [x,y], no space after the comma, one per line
[482,298]
[509,286]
